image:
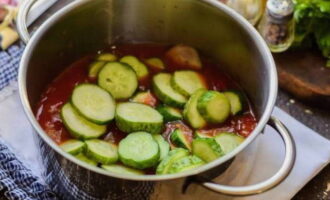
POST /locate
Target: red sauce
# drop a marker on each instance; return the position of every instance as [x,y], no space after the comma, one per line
[59,91]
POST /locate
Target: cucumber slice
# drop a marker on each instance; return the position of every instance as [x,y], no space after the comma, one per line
[187,82]
[94,103]
[107,57]
[118,79]
[190,112]
[120,169]
[186,163]
[95,68]
[236,101]
[179,139]
[213,106]
[101,151]
[73,147]
[228,141]
[140,69]
[78,126]
[155,63]
[206,148]
[164,147]
[164,91]
[200,134]
[169,113]
[167,162]
[83,158]
[131,117]
[145,98]
[139,150]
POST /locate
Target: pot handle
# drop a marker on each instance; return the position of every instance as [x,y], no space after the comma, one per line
[21,20]
[290,155]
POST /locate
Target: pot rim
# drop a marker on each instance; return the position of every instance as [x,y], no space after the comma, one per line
[257,39]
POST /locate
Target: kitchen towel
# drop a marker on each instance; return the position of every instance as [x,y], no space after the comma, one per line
[313,154]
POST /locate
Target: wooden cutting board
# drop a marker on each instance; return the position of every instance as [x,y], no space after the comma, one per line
[304,75]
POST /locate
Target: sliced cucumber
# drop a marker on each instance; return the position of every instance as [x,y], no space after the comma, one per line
[118,79]
[139,150]
[186,163]
[155,63]
[140,69]
[95,68]
[190,112]
[187,82]
[164,146]
[145,98]
[228,141]
[169,113]
[206,148]
[94,103]
[236,101]
[179,139]
[213,106]
[78,126]
[120,169]
[131,117]
[167,162]
[107,57]
[164,91]
[101,151]
[73,147]
[83,158]
[200,134]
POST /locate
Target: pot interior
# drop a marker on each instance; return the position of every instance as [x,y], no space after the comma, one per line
[87,26]
[94,25]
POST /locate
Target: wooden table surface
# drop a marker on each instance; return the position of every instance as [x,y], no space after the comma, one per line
[317,119]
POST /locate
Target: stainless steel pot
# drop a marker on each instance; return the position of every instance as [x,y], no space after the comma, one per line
[86,26]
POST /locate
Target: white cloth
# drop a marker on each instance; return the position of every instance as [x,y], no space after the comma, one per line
[313,151]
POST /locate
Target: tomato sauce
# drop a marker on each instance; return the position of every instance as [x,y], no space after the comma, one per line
[58,92]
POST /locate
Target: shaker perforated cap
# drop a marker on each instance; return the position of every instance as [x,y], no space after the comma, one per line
[280,7]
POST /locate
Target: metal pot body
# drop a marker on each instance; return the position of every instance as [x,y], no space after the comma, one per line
[87,26]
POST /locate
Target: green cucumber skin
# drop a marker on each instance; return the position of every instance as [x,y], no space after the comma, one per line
[185,163]
[164,97]
[129,127]
[178,139]
[140,69]
[202,106]
[235,109]
[168,114]
[180,88]
[128,91]
[99,158]
[172,156]
[94,68]
[79,149]
[120,169]
[190,112]
[132,162]
[207,149]
[85,115]
[85,159]
[164,146]
[77,135]
[177,88]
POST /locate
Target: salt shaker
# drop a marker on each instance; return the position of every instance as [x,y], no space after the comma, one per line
[277,25]
[249,9]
